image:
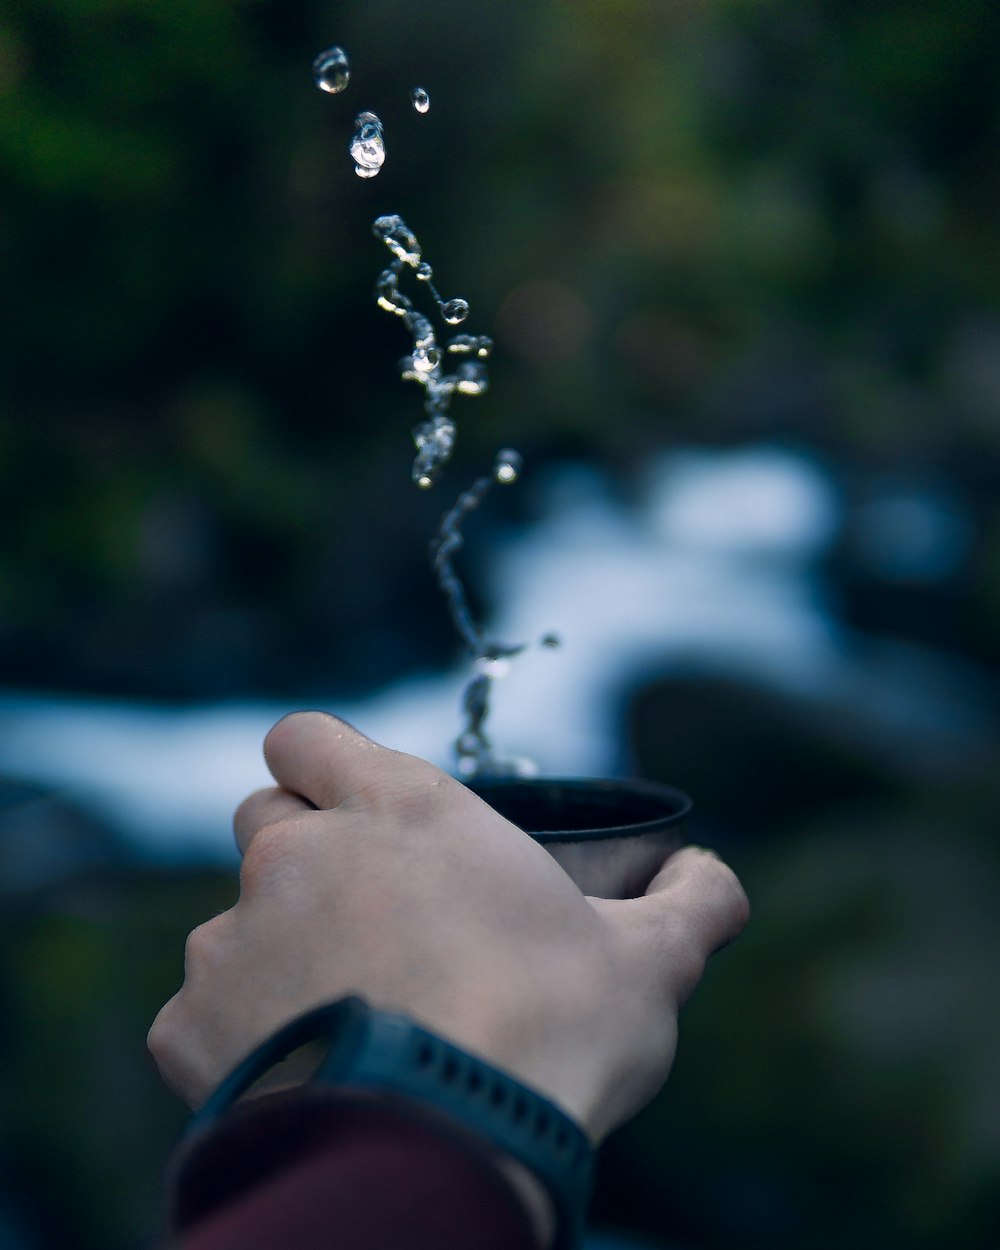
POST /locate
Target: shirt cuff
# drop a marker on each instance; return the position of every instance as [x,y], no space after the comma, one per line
[312,1167]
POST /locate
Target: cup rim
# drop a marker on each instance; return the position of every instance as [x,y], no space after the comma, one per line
[677,801]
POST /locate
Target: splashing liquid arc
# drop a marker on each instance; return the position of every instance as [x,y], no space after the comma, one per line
[456,365]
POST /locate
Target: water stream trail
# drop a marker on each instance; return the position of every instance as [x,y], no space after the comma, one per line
[473,747]
[455,365]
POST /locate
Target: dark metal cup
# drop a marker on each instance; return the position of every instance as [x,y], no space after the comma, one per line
[611,837]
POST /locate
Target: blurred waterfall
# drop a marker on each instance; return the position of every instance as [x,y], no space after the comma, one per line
[713,565]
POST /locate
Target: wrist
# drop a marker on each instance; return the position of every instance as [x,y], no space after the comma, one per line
[540,1150]
[366,1170]
[299,1068]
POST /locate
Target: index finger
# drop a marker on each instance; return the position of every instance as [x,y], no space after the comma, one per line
[327,761]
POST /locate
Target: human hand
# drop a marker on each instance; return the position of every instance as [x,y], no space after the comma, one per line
[369,871]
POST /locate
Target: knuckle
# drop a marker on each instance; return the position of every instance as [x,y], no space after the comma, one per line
[156,1038]
[244,813]
[732,897]
[409,789]
[160,1040]
[169,1043]
[275,857]
[719,909]
[688,968]
[681,965]
[270,847]
[720,887]
[200,946]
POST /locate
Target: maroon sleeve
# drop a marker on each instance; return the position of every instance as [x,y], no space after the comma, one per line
[317,1170]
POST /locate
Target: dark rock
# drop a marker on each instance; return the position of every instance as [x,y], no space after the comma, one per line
[754,760]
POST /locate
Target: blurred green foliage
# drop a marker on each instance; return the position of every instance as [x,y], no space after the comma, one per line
[836,1079]
[698,221]
[86,1124]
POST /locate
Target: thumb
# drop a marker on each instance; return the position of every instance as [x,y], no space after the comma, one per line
[692,907]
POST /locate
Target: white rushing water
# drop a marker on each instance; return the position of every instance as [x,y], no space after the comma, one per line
[712,566]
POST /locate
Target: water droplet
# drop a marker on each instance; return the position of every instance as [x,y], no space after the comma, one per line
[493,666]
[439,392]
[332,70]
[398,238]
[389,296]
[471,378]
[470,345]
[423,481]
[420,99]
[367,145]
[397,304]
[444,434]
[455,311]
[469,743]
[421,329]
[507,466]
[434,439]
[518,766]
[425,359]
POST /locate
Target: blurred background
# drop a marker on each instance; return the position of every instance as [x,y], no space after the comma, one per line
[741,264]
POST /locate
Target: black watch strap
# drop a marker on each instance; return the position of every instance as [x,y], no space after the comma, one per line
[369,1049]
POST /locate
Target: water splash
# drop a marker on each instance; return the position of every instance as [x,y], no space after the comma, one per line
[367,146]
[332,70]
[492,657]
[435,437]
[474,344]
[401,241]
[435,441]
